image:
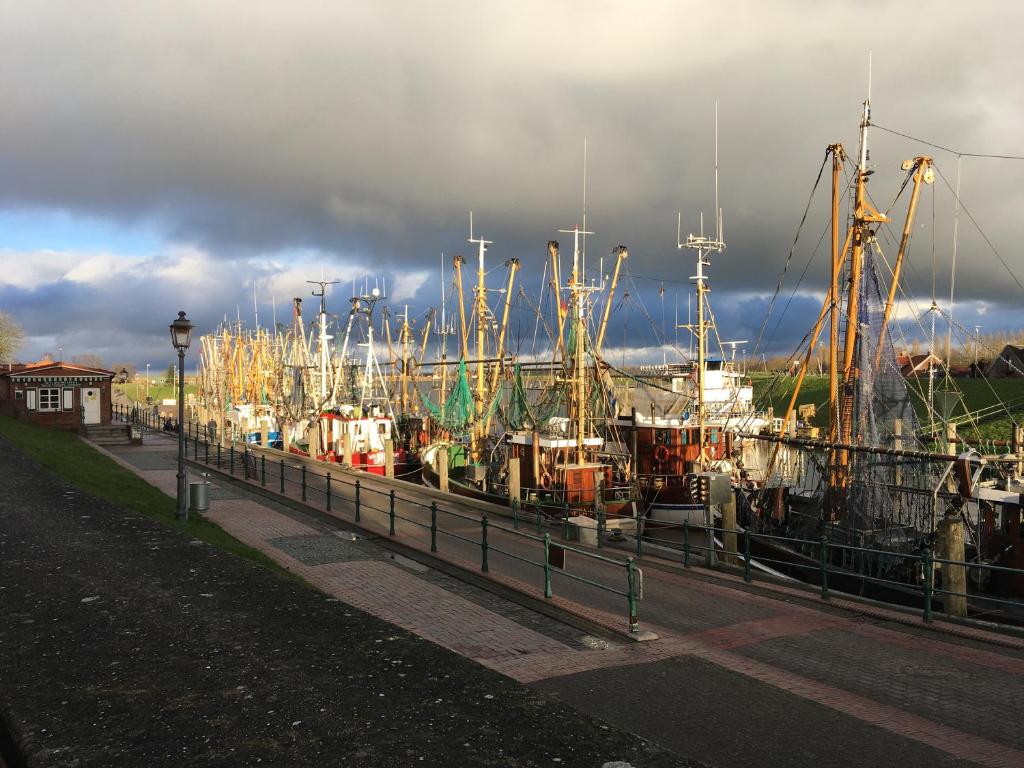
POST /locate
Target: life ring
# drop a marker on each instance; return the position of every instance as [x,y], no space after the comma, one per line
[545,480]
[661,454]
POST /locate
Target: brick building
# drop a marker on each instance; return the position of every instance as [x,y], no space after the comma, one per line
[56,395]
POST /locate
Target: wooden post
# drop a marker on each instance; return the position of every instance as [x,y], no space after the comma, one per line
[389,458]
[286,433]
[897,443]
[441,460]
[346,449]
[709,535]
[954,577]
[1017,445]
[951,438]
[729,529]
[313,438]
[514,487]
[264,434]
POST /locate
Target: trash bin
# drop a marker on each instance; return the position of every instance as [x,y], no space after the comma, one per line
[199,496]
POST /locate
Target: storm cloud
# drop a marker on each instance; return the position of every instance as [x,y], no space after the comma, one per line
[358,136]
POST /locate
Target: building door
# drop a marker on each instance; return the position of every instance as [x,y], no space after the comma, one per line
[91,404]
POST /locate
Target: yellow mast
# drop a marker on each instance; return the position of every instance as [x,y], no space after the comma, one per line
[833,343]
[482,314]
[457,262]
[556,280]
[922,173]
[513,267]
[621,253]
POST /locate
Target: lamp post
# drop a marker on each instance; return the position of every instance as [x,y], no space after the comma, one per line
[181,336]
[147,384]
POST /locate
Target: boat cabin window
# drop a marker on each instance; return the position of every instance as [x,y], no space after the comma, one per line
[712,365]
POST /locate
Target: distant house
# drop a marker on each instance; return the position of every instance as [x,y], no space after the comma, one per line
[56,395]
[915,365]
[1009,364]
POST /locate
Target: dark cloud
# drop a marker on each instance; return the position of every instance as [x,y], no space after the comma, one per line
[366,132]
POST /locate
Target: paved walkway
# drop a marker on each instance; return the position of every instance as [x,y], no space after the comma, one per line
[739,677]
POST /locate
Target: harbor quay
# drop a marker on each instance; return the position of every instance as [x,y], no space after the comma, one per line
[162,649]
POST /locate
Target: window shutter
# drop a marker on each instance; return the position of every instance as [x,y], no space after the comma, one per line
[32,399]
[69,399]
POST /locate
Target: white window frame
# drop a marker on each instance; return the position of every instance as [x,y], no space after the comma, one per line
[68,399]
[49,399]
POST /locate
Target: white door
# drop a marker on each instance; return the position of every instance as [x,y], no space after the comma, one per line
[91,403]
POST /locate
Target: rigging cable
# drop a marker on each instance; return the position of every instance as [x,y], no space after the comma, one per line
[792,249]
[947,149]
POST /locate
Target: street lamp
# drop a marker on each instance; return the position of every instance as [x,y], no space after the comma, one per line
[181,336]
[147,386]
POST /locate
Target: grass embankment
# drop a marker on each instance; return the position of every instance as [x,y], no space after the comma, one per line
[976,394]
[86,468]
[137,392]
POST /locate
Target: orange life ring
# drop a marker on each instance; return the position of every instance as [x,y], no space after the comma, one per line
[545,480]
[661,454]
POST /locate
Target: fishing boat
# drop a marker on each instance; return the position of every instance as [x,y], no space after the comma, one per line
[550,454]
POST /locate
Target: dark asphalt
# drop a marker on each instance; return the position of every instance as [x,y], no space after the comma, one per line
[122,642]
[726,718]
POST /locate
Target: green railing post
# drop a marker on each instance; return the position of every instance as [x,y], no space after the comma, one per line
[391,513]
[263,470]
[433,526]
[220,464]
[231,455]
[600,528]
[634,622]
[245,461]
[515,514]
[639,535]
[483,543]
[195,448]
[686,543]
[206,448]
[746,556]
[547,565]
[824,568]
[282,477]
[926,567]
[358,501]
[302,470]
[328,491]
[539,530]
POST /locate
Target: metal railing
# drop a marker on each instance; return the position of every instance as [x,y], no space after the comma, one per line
[343,491]
[813,560]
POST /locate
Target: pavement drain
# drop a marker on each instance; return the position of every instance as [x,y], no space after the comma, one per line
[317,549]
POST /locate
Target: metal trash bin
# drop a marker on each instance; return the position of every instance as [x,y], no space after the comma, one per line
[199,496]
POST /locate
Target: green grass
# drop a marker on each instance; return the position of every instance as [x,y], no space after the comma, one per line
[137,392]
[85,468]
[975,393]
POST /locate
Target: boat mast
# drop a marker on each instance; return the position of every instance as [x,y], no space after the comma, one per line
[703,246]
[323,338]
[577,292]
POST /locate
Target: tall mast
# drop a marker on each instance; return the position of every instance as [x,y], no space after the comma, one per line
[444,333]
[703,246]
[481,337]
[577,291]
[323,338]
[833,340]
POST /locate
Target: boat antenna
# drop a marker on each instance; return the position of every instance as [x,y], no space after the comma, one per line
[255,306]
[584,233]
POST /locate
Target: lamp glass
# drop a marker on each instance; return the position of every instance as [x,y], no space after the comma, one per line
[181,332]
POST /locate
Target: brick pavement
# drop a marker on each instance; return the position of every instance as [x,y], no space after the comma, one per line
[828,657]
